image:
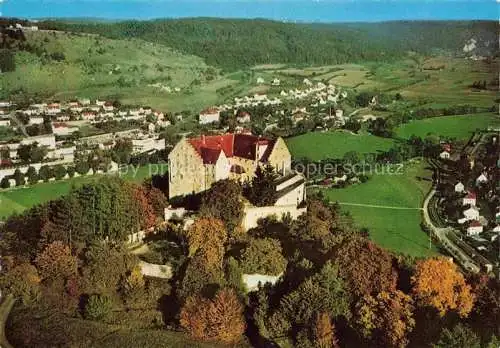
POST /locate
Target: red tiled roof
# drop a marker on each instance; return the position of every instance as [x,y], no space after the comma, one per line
[239,145]
[475,223]
[211,110]
[447,147]
[59,125]
[471,195]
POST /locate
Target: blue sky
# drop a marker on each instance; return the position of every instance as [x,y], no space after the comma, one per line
[292,10]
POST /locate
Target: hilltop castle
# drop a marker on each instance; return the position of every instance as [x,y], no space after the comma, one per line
[196,163]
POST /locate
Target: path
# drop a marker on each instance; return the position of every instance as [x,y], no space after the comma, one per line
[378,206]
[441,235]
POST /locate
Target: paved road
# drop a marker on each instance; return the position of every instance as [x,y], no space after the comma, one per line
[441,234]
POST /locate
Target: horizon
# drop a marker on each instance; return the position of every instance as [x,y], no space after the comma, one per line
[300,11]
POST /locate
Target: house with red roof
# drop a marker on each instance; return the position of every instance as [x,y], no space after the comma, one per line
[196,163]
[474,228]
[469,199]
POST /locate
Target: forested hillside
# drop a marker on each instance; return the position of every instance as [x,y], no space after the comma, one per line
[233,43]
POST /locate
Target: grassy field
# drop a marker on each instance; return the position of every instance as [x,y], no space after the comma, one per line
[395,229]
[19,199]
[335,144]
[459,127]
[99,67]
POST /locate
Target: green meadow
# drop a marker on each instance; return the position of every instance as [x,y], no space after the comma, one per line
[334,144]
[459,127]
[395,229]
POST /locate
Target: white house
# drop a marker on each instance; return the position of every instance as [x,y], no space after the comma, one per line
[470,214]
[276,82]
[470,199]
[459,187]
[243,117]
[209,115]
[108,107]
[53,109]
[63,129]
[497,228]
[260,80]
[84,101]
[307,82]
[4,122]
[36,120]
[481,179]
[444,155]
[474,228]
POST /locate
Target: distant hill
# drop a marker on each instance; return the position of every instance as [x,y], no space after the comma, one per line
[44,63]
[233,43]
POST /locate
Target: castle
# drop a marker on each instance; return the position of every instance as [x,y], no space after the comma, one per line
[196,163]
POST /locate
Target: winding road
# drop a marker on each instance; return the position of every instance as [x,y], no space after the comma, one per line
[442,235]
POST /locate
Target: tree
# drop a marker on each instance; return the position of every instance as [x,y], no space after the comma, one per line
[200,278]
[485,315]
[56,261]
[322,292]
[366,267]
[122,151]
[157,200]
[146,214]
[381,127]
[363,99]
[105,266]
[19,177]
[32,175]
[207,236]
[438,283]
[5,182]
[98,307]
[261,191]
[220,319]
[59,171]
[23,282]
[82,167]
[324,332]
[263,256]
[45,173]
[224,201]
[459,336]
[387,318]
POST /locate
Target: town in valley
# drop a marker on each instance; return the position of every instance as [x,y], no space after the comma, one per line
[215,182]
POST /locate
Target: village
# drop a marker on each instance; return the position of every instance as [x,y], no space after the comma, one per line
[56,127]
[465,204]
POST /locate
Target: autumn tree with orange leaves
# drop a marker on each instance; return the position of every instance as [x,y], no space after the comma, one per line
[146,213]
[438,283]
[387,318]
[367,268]
[324,332]
[220,319]
[56,261]
[207,237]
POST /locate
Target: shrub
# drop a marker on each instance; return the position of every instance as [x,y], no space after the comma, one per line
[98,307]
[5,183]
